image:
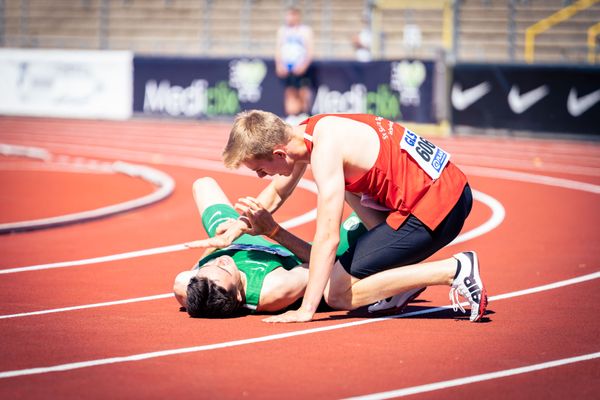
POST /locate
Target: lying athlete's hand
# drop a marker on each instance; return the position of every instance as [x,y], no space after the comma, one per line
[261,221]
[223,226]
[299,315]
[218,242]
[197,244]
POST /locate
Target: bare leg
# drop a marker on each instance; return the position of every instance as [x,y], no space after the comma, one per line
[207,192]
[292,102]
[346,292]
[305,97]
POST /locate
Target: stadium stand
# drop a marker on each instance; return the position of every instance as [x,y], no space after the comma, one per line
[486,30]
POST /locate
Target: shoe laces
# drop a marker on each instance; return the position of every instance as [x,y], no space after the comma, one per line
[454,292]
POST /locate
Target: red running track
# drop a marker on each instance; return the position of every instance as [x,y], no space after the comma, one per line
[65,334]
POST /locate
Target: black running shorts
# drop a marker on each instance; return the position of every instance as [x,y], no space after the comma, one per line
[383,248]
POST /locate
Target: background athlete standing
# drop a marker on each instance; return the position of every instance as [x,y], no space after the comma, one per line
[293,56]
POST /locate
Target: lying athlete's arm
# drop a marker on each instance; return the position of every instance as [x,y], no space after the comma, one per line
[282,288]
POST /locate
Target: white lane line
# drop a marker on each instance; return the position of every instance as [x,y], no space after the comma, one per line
[498,214]
[196,147]
[85,306]
[96,260]
[475,378]
[164,183]
[544,167]
[167,295]
[496,219]
[215,346]
[291,223]
[531,178]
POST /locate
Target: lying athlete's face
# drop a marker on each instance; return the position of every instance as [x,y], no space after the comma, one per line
[279,164]
[221,270]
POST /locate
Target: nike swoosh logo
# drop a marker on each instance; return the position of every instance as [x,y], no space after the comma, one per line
[579,105]
[520,103]
[461,99]
[212,221]
[217,214]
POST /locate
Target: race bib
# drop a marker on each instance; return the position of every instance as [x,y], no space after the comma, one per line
[430,158]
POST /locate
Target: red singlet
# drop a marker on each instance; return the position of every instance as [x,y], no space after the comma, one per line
[401,178]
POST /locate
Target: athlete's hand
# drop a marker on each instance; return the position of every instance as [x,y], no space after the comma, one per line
[223,226]
[261,221]
[299,69]
[281,70]
[218,242]
[299,315]
[197,244]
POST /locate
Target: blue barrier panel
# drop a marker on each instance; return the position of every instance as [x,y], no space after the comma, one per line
[204,88]
[542,98]
[217,88]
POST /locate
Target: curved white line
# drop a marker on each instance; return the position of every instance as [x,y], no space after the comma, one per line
[164,182]
[261,339]
[498,214]
[532,178]
[288,224]
[495,220]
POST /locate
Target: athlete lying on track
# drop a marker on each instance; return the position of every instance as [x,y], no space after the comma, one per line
[422,200]
[253,272]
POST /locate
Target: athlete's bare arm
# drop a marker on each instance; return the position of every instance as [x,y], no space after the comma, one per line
[328,171]
[280,188]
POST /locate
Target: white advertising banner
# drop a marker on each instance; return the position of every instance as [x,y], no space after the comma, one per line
[66,83]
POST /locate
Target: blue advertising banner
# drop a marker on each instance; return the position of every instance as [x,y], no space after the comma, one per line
[217,88]
[543,98]
[204,88]
[396,90]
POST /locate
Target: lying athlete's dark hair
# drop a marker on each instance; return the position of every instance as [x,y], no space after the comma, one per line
[206,299]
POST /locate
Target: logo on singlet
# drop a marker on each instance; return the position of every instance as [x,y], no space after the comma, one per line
[351,223]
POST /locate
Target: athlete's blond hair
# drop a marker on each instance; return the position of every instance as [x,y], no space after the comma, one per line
[254,135]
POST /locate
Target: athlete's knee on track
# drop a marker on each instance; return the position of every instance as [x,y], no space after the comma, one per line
[338,301]
[338,297]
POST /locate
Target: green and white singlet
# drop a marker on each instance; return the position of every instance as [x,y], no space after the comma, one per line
[256,257]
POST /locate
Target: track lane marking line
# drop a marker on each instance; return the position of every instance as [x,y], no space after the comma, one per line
[498,214]
[478,171]
[475,378]
[241,342]
[85,306]
[494,221]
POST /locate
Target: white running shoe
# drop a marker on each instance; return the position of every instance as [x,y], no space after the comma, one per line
[469,285]
[397,302]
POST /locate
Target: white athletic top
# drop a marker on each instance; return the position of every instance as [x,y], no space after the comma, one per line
[293,41]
